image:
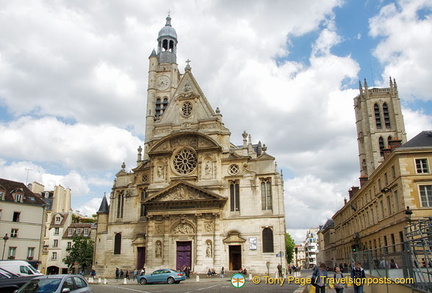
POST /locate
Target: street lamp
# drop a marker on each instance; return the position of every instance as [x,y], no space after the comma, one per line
[5,238]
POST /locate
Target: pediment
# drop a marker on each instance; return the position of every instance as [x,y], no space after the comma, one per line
[233,237]
[194,140]
[265,157]
[182,193]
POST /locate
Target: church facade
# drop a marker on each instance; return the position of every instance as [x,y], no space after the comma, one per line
[194,198]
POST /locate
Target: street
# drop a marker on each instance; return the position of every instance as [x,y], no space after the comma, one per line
[214,284]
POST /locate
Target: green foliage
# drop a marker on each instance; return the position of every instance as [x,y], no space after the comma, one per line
[81,252]
[290,244]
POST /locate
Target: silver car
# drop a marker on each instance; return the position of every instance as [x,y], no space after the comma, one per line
[56,284]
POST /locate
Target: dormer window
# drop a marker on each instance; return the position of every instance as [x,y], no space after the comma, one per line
[78,231]
[86,232]
[18,197]
[70,232]
[57,219]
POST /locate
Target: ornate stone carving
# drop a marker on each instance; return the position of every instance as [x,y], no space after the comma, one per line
[159,229]
[185,161]
[183,228]
[208,227]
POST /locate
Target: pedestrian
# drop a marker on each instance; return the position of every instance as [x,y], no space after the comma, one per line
[223,272]
[142,271]
[279,268]
[127,274]
[135,274]
[93,273]
[319,278]
[187,272]
[393,265]
[289,270]
[359,277]
[121,273]
[338,280]
[117,273]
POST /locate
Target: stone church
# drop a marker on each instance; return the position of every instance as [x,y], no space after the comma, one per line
[194,198]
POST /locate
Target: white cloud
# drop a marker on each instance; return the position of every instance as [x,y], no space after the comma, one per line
[75,77]
[405,46]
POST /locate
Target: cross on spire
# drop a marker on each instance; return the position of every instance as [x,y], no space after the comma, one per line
[188,67]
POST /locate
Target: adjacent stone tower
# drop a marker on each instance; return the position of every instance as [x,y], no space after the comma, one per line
[379,120]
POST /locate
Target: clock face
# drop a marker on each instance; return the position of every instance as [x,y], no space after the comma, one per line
[162,82]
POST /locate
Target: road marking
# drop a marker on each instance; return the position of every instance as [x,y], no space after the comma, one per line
[123,288]
[207,288]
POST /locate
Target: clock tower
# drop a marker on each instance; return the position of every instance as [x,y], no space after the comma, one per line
[163,77]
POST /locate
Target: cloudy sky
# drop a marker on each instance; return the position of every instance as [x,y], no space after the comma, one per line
[73,82]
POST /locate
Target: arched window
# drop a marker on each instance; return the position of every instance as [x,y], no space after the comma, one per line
[120,204]
[388,140]
[266,194]
[117,243]
[386,116]
[381,145]
[165,44]
[377,116]
[158,107]
[267,236]
[234,196]
[164,104]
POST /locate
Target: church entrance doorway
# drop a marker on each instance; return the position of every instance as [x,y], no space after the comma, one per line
[184,254]
[235,257]
[140,257]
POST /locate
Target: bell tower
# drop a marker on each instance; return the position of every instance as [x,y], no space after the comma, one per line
[163,78]
[379,120]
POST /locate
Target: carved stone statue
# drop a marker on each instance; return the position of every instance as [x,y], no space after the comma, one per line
[158,249]
[208,249]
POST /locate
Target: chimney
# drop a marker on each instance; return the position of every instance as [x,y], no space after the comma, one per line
[353,191]
[387,152]
[395,143]
[363,180]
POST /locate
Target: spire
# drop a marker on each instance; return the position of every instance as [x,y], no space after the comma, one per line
[168,21]
[153,53]
[167,43]
[104,207]
[365,85]
[360,88]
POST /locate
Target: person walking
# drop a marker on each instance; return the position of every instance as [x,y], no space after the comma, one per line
[359,277]
[338,280]
[319,278]
[223,272]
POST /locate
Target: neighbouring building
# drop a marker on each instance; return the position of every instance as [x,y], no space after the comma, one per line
[326,252]
[194,198]
[311,248]
[299,256]
[58,218]
[22,219]
[395,180]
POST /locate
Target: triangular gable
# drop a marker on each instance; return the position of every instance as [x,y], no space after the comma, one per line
[188,91]
[265,157]
[182,192]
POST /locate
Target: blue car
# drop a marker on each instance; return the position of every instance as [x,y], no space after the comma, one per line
[162,276]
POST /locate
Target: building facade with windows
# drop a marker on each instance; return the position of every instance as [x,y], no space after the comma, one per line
[194,198]
[395,182]
[311,248]
[22,218]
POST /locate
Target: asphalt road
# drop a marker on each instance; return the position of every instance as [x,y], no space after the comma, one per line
[204,285]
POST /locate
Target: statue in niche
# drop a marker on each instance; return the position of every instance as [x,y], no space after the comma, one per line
[208,249]
[160,172]
[158,249]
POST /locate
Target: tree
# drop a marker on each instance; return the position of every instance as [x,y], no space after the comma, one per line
[290,244]
[81,252]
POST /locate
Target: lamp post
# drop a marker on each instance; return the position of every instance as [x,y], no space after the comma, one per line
[5,238]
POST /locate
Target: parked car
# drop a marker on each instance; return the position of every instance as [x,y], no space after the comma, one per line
[56,284]
[162,276]
[9,282]
[19,267]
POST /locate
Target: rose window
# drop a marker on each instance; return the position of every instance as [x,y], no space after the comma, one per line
[187,109]
[185,161]
[233,169]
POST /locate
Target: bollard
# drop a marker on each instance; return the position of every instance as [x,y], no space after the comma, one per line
[250,277]
[197,278]
[91,281]
[124,281]
[105,281]
[99,280]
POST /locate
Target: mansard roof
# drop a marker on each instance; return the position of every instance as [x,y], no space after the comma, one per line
[10,187]
[421,140]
